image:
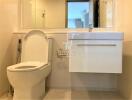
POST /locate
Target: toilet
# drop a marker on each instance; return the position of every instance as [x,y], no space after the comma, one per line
[28,77]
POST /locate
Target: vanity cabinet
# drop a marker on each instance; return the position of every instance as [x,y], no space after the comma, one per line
[95,52]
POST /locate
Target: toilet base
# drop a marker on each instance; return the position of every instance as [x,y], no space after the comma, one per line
[34,93]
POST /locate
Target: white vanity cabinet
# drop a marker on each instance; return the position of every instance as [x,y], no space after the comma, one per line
[95,52]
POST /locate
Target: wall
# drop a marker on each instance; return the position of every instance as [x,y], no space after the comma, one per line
[8,23]
[60,77]
[125,80]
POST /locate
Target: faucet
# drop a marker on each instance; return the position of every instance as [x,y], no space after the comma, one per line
[90,27]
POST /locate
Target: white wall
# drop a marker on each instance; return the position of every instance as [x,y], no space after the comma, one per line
[60,77]
[8,23]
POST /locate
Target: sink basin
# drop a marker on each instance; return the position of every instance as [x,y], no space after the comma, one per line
[96,36]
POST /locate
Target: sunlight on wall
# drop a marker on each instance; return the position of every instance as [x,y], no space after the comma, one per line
[8,23]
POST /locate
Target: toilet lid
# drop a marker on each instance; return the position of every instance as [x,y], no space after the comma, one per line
[35,47]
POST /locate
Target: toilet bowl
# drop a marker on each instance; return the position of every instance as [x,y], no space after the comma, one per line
[28,77]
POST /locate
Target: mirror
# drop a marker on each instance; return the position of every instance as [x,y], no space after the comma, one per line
[66,13]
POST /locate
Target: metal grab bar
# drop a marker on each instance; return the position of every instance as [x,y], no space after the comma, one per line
[96,44]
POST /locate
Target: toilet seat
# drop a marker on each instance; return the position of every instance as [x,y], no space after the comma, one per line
[27,66]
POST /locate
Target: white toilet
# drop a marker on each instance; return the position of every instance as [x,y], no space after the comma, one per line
[28,77]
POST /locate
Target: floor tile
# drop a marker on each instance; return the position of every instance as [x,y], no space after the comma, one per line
[67,94]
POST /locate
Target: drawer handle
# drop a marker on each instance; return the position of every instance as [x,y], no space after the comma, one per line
[96,44]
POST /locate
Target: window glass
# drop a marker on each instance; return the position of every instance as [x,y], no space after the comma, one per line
[78,15]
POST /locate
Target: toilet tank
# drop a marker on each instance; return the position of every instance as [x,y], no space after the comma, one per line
[36,47]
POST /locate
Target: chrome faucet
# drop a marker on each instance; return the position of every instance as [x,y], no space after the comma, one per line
[90,27]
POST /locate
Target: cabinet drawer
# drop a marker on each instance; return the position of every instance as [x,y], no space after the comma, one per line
[96,56]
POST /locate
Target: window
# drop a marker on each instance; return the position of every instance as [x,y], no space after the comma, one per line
[78,13]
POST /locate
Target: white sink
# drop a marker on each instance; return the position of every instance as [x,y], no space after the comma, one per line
[97,35]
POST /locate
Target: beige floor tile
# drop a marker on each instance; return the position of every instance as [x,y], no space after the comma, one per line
[95,95]
[81,95]
[58,94]
[67,94]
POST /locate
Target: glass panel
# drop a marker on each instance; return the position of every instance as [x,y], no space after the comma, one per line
[78,14]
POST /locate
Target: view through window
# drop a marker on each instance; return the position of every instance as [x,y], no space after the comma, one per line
[78,14]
